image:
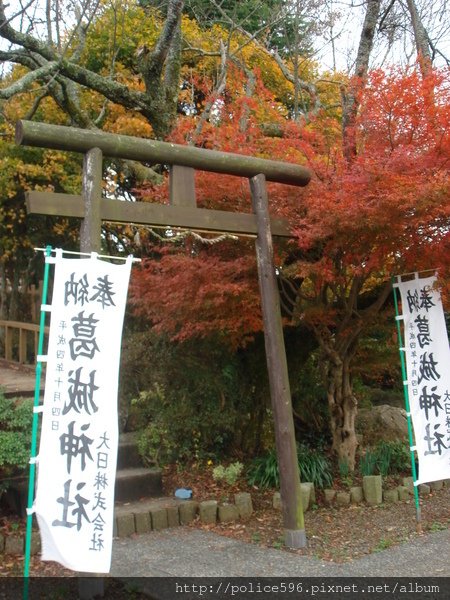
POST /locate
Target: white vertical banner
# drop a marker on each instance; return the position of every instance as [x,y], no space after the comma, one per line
[428,372]
[79,436]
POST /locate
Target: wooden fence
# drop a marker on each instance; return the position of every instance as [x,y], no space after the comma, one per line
[19,341]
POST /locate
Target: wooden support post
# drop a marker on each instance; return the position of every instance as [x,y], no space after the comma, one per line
[91,226]
[295,536]
[91,585]
[23,337]
[8,343]
[182,186]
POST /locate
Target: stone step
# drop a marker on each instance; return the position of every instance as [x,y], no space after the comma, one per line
[131,485]
[135,483]
[128,455]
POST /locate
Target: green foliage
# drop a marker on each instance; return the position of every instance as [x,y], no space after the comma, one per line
[368,463]
[194,400]
[386,458]
[229,474]
[309,401]
[314,466]
[264,472]
[15,434]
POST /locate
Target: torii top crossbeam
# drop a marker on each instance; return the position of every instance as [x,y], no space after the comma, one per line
[122,146]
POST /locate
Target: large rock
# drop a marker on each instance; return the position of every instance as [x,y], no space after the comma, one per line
[384,422]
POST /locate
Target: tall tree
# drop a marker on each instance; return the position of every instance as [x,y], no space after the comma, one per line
[357,223]
[58,71]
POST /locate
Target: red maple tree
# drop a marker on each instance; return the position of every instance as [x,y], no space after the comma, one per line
[359,221]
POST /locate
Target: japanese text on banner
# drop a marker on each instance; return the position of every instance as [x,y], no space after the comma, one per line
[79,438]
[427,362]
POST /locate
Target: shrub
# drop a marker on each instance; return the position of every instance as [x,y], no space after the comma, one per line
[314,466]
[386,458]
[368,463]
[229,474]
[193,400]
[15,434]
[263,471]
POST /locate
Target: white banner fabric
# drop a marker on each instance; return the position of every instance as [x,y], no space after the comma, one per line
[79,436]
[428,372]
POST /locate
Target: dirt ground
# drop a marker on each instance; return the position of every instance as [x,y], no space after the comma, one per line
[337,534]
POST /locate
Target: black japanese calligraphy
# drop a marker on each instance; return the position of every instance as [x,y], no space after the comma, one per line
[74,446]
[435,440]
[427,368]
[76,291]
[104,292]
[79,511]
[81,394]
[83,343]
[429,401]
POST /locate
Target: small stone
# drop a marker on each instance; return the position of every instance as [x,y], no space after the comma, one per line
[143,522]
[208,511]
[424,489]
[356,495]
[14,544]
[35,546]
[228,513]
[187,511]
[125,525]
[391,496]
[343,498]
[372,487]
[312,495]
[330,495]
[436,486]
[276,501]
[403,493]
[243,502]
[409,483]
[305,491]
[159,518]
[173,516]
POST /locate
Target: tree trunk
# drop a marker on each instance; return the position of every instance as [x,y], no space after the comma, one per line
[13,311]
[350,102]
[420,38]
[343,407]
[3,293]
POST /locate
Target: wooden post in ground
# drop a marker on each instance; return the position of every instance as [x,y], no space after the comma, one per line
[295,536]
[91,225]
[91,585]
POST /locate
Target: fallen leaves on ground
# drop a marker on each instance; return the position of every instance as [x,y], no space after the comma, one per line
[338,534]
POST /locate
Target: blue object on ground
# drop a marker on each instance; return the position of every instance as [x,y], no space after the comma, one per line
[183,493]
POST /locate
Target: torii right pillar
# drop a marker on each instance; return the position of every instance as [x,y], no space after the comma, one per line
[293,519]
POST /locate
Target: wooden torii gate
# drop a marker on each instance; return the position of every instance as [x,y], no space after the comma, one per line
[182,211]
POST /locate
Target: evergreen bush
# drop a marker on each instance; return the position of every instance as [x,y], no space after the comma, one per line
[16,417]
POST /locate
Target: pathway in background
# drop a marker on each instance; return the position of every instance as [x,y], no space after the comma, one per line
[17,380]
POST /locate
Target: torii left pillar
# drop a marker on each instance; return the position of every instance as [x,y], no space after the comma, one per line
[91,585]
